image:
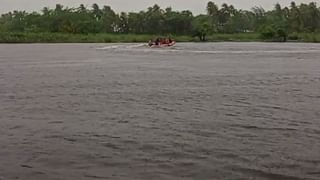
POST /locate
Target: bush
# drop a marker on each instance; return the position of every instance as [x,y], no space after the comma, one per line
[274,34]
[268,33]
[281,35]
[293,37]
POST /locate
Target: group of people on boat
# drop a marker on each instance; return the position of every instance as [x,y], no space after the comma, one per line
[161,42]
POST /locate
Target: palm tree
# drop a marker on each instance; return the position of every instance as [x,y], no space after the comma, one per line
[82,9]
[213,11]
[59,8]
[96,11]
[108,18]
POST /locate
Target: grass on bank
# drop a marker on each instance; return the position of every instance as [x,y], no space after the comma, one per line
[239,37]
[10,37]
[13,37]
[304,37]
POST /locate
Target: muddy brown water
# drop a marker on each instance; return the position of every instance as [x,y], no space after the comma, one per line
[207,111]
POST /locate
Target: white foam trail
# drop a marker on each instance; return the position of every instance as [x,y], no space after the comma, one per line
[121,47]
[145,48]
[223,52]
[136,46]
[109,47]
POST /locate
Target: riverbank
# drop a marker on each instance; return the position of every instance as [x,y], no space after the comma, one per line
[11,37]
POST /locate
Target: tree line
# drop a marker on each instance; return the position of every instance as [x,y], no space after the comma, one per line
[277,22]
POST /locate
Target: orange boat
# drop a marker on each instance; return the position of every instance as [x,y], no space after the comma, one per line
[162,43]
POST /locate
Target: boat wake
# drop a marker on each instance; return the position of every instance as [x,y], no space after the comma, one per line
[121,46]
[181,49]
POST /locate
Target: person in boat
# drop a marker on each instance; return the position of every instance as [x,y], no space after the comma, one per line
[160,41]
[164,41]
[154,42]
[150,43]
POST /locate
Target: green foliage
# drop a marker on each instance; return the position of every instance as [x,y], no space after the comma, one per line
[23,37]
[281,35]
[200,27]
[48,37]
[293,37]
[273,33]
[268,32]
[274,25]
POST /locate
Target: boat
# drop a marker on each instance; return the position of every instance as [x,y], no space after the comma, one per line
[161,43]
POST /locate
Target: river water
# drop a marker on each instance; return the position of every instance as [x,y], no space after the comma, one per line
[210,111]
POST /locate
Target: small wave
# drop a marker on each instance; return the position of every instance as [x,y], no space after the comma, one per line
[246,52]
[263,173]
[264,128]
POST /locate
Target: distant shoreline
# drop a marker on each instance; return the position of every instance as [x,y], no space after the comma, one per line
[22,37]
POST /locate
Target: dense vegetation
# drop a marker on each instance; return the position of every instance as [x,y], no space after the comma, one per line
[296,22]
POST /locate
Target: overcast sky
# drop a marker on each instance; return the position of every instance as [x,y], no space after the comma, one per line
[196,6]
